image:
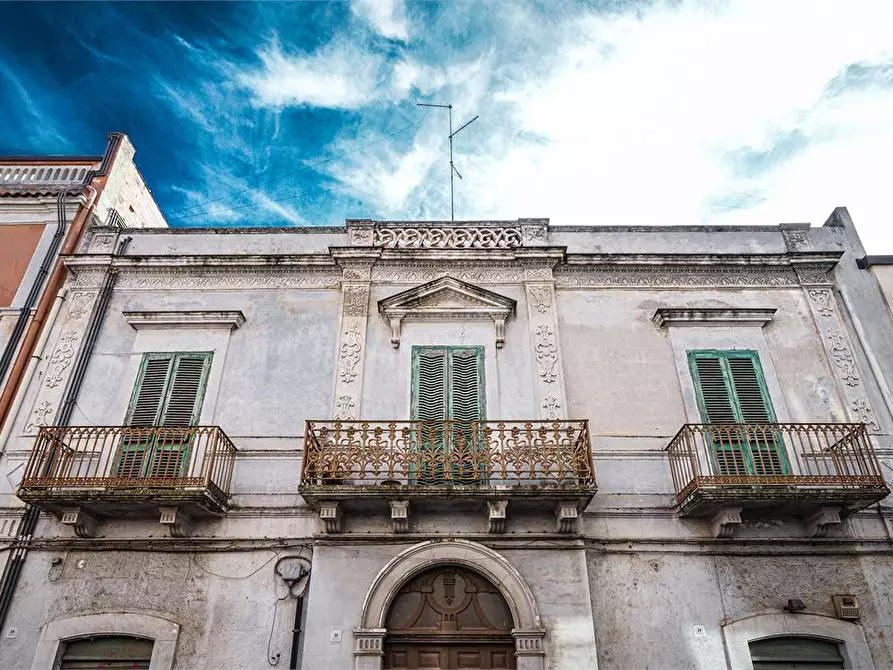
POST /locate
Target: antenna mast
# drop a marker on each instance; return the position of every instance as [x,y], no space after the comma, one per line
[452,134]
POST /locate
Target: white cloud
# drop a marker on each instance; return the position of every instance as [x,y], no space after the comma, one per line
[648,117]
[340,75]
[386,17]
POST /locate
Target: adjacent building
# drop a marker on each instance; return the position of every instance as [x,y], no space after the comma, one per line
[491,444]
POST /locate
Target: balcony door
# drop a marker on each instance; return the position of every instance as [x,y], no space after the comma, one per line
[167,398]
[732,397]
[448,402]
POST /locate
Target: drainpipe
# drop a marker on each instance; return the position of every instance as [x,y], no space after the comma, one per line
[36,357]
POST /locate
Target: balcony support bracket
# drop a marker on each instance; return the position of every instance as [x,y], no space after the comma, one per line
[83,524]
[177,521]
[724,521]
[330,513]
[566,515]
[400,515]
[496,513]
[818,522]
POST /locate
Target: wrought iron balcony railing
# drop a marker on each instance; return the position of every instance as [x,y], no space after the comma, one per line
[133,461]
[452,453]
[805,457]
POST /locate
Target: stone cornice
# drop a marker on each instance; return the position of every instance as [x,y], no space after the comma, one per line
[827,258]
[708,316]
[192,261]
[230,319]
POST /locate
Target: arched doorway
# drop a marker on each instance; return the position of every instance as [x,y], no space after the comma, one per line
[447,618]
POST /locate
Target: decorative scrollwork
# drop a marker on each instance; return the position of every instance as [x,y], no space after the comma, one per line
[822,299]
[541,297]
[61,358]
[447,238]
[350,354]
[546,353]
[843,359]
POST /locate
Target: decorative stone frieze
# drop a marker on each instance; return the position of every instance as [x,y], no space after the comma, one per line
[680,276]
[424,272]
[464,237]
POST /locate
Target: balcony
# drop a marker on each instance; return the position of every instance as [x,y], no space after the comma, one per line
[84,474]
[447,466]
[818,471]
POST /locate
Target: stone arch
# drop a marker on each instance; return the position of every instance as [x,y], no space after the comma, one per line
[527,632]
[850,636]
[162,631]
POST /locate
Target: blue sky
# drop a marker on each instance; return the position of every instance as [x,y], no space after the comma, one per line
[612,112]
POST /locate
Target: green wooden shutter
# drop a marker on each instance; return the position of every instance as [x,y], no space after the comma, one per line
[466,384]
[731,389]
[168,393]
[447,385]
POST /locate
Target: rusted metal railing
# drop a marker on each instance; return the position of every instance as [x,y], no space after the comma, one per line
[131,457]
[776,454]
[447,452]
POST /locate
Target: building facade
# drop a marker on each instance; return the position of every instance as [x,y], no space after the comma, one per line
[502,444]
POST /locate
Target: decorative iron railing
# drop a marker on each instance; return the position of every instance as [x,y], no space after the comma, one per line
[447,452]
[777,454]
[126,457]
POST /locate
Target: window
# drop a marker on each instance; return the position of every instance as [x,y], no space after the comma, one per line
[106,651]
[732,391]
[795,653]
[448,395]
[168,394]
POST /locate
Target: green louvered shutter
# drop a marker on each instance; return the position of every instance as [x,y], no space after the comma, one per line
[447,385]
[168,393]
[466,410]
[754,408]
[731,390]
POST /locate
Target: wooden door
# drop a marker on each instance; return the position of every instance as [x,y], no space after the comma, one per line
[421,656]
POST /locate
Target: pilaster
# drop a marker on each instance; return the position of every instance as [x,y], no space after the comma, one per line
[826,314]
[356,268]
[539,285]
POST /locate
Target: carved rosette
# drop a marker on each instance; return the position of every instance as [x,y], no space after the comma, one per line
[826,314]
[540,289]
[58,361]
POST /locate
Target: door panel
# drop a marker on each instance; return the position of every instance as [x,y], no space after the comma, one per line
[450,657]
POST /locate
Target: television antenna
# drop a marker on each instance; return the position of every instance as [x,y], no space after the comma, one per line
[452,134]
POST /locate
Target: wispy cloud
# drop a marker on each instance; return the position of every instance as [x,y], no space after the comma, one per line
[386,17]
[340,75]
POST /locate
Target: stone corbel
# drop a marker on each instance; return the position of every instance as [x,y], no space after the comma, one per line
[330,514]
[818,522]
[566,516]
[529,650]
[395,322]
[724,522]
[177,521]
[496,515]
[83,524]
[499,321]
[400,515]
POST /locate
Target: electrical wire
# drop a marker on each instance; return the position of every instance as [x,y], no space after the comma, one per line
[250,574]
[299,170]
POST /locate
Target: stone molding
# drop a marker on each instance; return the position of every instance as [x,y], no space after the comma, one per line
[706,316]
[417,558]
[447,234]
[851,637]
[165,319]
[446,299]
[162,631]
[356,265]
[544,342]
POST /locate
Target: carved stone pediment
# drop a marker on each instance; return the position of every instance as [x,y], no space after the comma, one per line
[446,299]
